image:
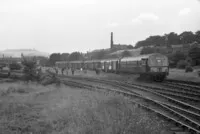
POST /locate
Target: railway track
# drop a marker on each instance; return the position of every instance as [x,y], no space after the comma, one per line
[182,113]
[185,87]
[184,82]
[181,88]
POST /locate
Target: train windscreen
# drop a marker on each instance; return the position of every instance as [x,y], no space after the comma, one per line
[158,60]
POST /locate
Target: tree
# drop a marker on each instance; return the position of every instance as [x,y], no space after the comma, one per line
[172,38]
[64,56]
[187,37]
[75,56]
[155,40]
[140,44]
[182,64]
[194,53]
[43,61]
[197,36]
[169,39]
[126,54]
[147,50]
[54,57]
[177,57]
[130,47]
[30,69]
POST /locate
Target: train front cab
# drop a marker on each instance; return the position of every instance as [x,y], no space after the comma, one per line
[158,66]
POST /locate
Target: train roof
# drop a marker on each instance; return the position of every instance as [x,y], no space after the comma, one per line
[140,57]
[104,60]
[89,61]
[57,62]
[78,61]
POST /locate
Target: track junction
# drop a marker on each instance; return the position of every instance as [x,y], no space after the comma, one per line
[176,101]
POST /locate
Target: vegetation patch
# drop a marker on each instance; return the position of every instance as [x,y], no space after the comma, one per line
[61,110]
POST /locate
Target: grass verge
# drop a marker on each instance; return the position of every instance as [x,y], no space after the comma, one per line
[65,110]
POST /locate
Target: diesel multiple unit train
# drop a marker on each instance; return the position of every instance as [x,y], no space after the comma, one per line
[155,65]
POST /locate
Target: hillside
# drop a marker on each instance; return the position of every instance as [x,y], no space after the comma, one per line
[133,52]
[18,52]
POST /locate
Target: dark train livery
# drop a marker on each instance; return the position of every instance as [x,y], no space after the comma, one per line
[155,65]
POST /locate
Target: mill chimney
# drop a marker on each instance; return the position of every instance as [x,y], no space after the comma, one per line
[111,40]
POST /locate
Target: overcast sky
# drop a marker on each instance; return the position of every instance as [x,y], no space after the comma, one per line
[82,25]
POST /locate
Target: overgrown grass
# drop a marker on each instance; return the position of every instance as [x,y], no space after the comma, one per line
[63,110]
[179,74]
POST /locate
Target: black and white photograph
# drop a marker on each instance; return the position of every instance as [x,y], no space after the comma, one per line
[99,66]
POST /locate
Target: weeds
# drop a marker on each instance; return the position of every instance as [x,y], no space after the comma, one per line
[61,110]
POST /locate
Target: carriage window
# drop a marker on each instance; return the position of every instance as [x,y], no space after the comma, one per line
[143,62]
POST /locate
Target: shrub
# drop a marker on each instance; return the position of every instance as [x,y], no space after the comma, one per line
[182,64]
[30,70]
[15,66]
[188,69]
[175,58]
[199,73]
[49,78]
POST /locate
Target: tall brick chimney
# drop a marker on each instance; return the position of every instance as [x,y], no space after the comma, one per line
[111,40]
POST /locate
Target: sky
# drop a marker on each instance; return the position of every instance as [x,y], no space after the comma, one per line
[84,25]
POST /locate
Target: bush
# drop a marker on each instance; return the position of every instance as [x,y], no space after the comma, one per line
[199,73]
[175,58]
[30,70]
[15,66]
[49,78]
[188,69]
[182,64]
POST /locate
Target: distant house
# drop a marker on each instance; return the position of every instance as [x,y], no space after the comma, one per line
[119,46]
[194,44]
[177,48]
[8,60]
[184,47]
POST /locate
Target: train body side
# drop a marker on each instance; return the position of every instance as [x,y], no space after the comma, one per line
[155,65]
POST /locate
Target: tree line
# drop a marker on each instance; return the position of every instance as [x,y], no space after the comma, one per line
[170,39]
[74,56]
[64,57]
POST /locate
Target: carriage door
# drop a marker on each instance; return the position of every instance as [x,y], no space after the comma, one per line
[145,65]
[105,67]
[117,65]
